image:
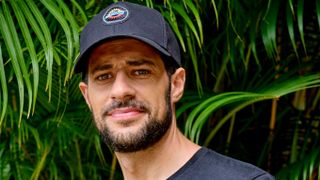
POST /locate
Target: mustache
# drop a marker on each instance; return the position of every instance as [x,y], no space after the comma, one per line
[141,106]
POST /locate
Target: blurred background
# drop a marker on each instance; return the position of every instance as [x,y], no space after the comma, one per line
[252,88]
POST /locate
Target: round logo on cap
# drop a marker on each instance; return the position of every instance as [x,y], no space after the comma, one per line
[115,15]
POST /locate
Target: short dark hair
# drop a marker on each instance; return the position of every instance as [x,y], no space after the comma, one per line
[170,65]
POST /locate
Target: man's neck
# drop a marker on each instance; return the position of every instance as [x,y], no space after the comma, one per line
[159,161]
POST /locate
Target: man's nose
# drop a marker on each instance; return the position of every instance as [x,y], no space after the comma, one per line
[122,88]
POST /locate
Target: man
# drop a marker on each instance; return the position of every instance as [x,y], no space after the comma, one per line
[130,61]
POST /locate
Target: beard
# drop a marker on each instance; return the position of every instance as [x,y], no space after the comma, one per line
[150,133]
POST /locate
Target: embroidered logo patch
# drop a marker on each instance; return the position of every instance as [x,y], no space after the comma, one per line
[115,15]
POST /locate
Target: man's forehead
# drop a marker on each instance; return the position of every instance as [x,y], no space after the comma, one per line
[125,51]
[129,63]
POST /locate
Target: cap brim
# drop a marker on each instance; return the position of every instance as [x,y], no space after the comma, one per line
[81,60]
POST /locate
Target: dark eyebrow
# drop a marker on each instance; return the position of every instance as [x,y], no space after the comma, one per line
[130,62]
[140,62]
[102,67]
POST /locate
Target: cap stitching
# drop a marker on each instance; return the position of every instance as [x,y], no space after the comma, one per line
[165,37]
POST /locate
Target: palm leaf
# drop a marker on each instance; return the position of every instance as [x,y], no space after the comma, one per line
[195,13]
[12,53]
[300,7]
[215,12]
[4,88]
[291,27]
[304,168]
[269,27]
[253,45]
[81,11]
[318,12]
[19,55]
[75,39]
[181,11]
[194,59]
[5,168]
[200,114]
[56,12]
[41,29]
[30,46]
[41,163]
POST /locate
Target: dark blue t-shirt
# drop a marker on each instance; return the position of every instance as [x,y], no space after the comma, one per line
[207,164]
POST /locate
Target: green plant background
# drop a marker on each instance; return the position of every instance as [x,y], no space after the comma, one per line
[252,87]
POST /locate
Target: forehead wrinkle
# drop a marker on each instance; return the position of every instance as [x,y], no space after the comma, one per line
[140,62]
[102,67]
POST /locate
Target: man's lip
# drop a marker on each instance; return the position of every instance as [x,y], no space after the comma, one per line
[125,112]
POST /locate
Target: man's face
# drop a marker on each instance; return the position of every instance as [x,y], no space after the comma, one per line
[129,94]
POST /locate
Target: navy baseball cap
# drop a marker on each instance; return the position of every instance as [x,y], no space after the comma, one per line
[123,19]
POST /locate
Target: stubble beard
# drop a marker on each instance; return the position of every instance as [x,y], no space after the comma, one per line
[149,134]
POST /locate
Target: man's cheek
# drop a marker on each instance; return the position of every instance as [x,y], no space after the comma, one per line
[99,124]
[97,118]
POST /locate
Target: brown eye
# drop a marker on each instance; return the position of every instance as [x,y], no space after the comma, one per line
[141,72]
[104,77]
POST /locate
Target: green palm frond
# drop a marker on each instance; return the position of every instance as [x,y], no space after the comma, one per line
[305,168]
[276,90]
[190,31]
[269,27]
[5,168]
[13,50]
[300,14]
[4,90]
[23,51]
[290,25]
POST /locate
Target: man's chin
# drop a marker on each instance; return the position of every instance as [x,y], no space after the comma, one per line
[133,139]
[129,139]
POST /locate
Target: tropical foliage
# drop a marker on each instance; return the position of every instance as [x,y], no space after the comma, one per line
[252,91]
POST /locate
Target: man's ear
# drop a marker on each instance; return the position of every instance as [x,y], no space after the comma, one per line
[84,90]
[177,84]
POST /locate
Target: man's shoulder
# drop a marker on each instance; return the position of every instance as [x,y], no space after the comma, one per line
[208,164]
